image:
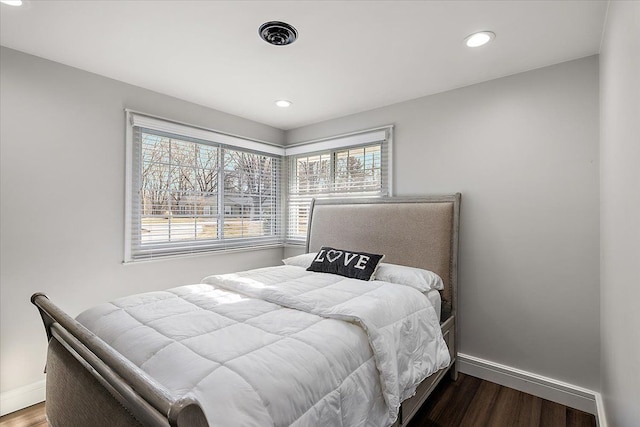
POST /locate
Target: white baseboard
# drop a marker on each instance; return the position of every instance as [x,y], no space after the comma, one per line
[547,388]
[601,417]
[19,398]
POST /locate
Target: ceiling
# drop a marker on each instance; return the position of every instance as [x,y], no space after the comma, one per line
[350,56]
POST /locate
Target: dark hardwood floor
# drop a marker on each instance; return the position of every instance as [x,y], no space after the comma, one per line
[474,402]
[33,416]
[467,402]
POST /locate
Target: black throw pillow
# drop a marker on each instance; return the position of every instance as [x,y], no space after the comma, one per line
[356,265]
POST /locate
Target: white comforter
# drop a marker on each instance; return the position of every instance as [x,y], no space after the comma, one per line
[281,346]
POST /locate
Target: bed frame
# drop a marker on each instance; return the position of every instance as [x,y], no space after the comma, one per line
[414,231]
[90,383]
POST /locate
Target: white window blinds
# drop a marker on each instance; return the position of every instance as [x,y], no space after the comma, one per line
[194,190]
[355,165]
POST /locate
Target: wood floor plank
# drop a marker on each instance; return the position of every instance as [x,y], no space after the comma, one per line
[432,413]
[468,402]
[553,414]
[529,408]
[490,407]
[458,407]
[505,410]
[577,418]
[439,400]
[33,416]
[481,407]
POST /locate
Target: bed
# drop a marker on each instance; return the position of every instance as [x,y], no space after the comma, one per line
[90,382]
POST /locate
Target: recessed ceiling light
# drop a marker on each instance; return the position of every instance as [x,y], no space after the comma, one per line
[283,103]
[479,39]
[12,2]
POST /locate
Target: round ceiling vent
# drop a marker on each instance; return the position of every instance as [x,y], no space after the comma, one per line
[278,33]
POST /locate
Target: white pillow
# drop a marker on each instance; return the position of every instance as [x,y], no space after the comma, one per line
[303,260]
[422,280]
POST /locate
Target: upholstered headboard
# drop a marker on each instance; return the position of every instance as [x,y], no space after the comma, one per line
[414,231]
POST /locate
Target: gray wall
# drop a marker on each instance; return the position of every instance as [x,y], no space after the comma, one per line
[620,211]
[62,200]
[523,150]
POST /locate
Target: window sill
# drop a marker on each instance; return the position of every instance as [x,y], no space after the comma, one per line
[203,254]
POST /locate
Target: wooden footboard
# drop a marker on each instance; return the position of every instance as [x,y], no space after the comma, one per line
[140,399]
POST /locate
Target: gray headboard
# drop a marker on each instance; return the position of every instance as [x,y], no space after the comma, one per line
[414,231]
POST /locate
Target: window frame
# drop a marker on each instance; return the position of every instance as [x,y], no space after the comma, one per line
[332,145]
[222,141]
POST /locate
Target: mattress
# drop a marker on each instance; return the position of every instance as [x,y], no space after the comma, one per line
[281,346]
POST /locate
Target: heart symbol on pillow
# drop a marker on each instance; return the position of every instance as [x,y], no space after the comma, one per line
[333,255]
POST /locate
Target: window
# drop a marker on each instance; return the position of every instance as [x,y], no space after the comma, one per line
[194,190]
[355,165]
